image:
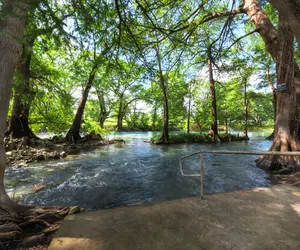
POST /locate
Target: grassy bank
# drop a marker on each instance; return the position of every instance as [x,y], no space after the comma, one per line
[196,138]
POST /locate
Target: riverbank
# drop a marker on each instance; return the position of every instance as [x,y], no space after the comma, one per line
[21,152]
[203,137]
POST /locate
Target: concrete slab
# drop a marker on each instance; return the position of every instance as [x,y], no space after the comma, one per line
[261,218]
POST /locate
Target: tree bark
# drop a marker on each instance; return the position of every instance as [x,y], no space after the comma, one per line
[263,25]
[102,118]
[286,134]
[122,111]
[164,139]
[73,134]
[23,97]
[165,135]
[199,126]
[24,91]
[120,116]
[290,10]
[154,117]
[269,34]
[12,25]
[214,123]
[275,48]
[104,113]
[189,110]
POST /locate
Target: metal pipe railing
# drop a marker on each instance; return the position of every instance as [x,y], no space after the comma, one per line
[201,175]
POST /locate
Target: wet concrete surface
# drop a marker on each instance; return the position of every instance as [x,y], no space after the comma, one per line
[261,218]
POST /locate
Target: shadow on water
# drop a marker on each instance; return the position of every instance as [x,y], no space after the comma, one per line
[136,173]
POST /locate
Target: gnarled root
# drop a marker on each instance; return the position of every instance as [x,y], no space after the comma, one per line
[29,226]
[281,164]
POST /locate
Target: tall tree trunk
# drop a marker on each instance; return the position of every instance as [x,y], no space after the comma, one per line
[104,113]
[23,97]
[246,104]
[269,34]
[214,123]
[189,110]
[263,25]
[273,46]
[73,134]
[24,91]
[134,120]
[120,116]
[154,117]
[165,135]
[290,10]
[12,26]
[286,136]
[123,107]
[199,126]
[164,139]
[102,118]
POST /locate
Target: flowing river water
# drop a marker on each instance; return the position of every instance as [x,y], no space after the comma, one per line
[135,173]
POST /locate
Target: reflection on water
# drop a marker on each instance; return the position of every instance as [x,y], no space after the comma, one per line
[135,173]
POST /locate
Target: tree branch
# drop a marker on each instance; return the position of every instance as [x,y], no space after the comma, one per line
[240,38]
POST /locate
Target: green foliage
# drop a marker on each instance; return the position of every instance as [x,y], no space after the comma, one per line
[131,46]
[90,125]
[195,137]
[138,121]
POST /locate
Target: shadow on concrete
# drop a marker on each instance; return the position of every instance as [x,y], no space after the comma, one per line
[261,218]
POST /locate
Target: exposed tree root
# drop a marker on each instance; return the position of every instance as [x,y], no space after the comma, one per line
[32,241]
[164,139]
[281,164]
[9,227]
[30,226]
[214,137]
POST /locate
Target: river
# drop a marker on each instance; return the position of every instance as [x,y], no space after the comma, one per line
[136,173]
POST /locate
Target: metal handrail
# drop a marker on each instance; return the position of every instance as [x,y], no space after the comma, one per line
[201,175]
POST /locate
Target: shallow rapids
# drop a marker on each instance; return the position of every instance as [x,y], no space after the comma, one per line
[135,173]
